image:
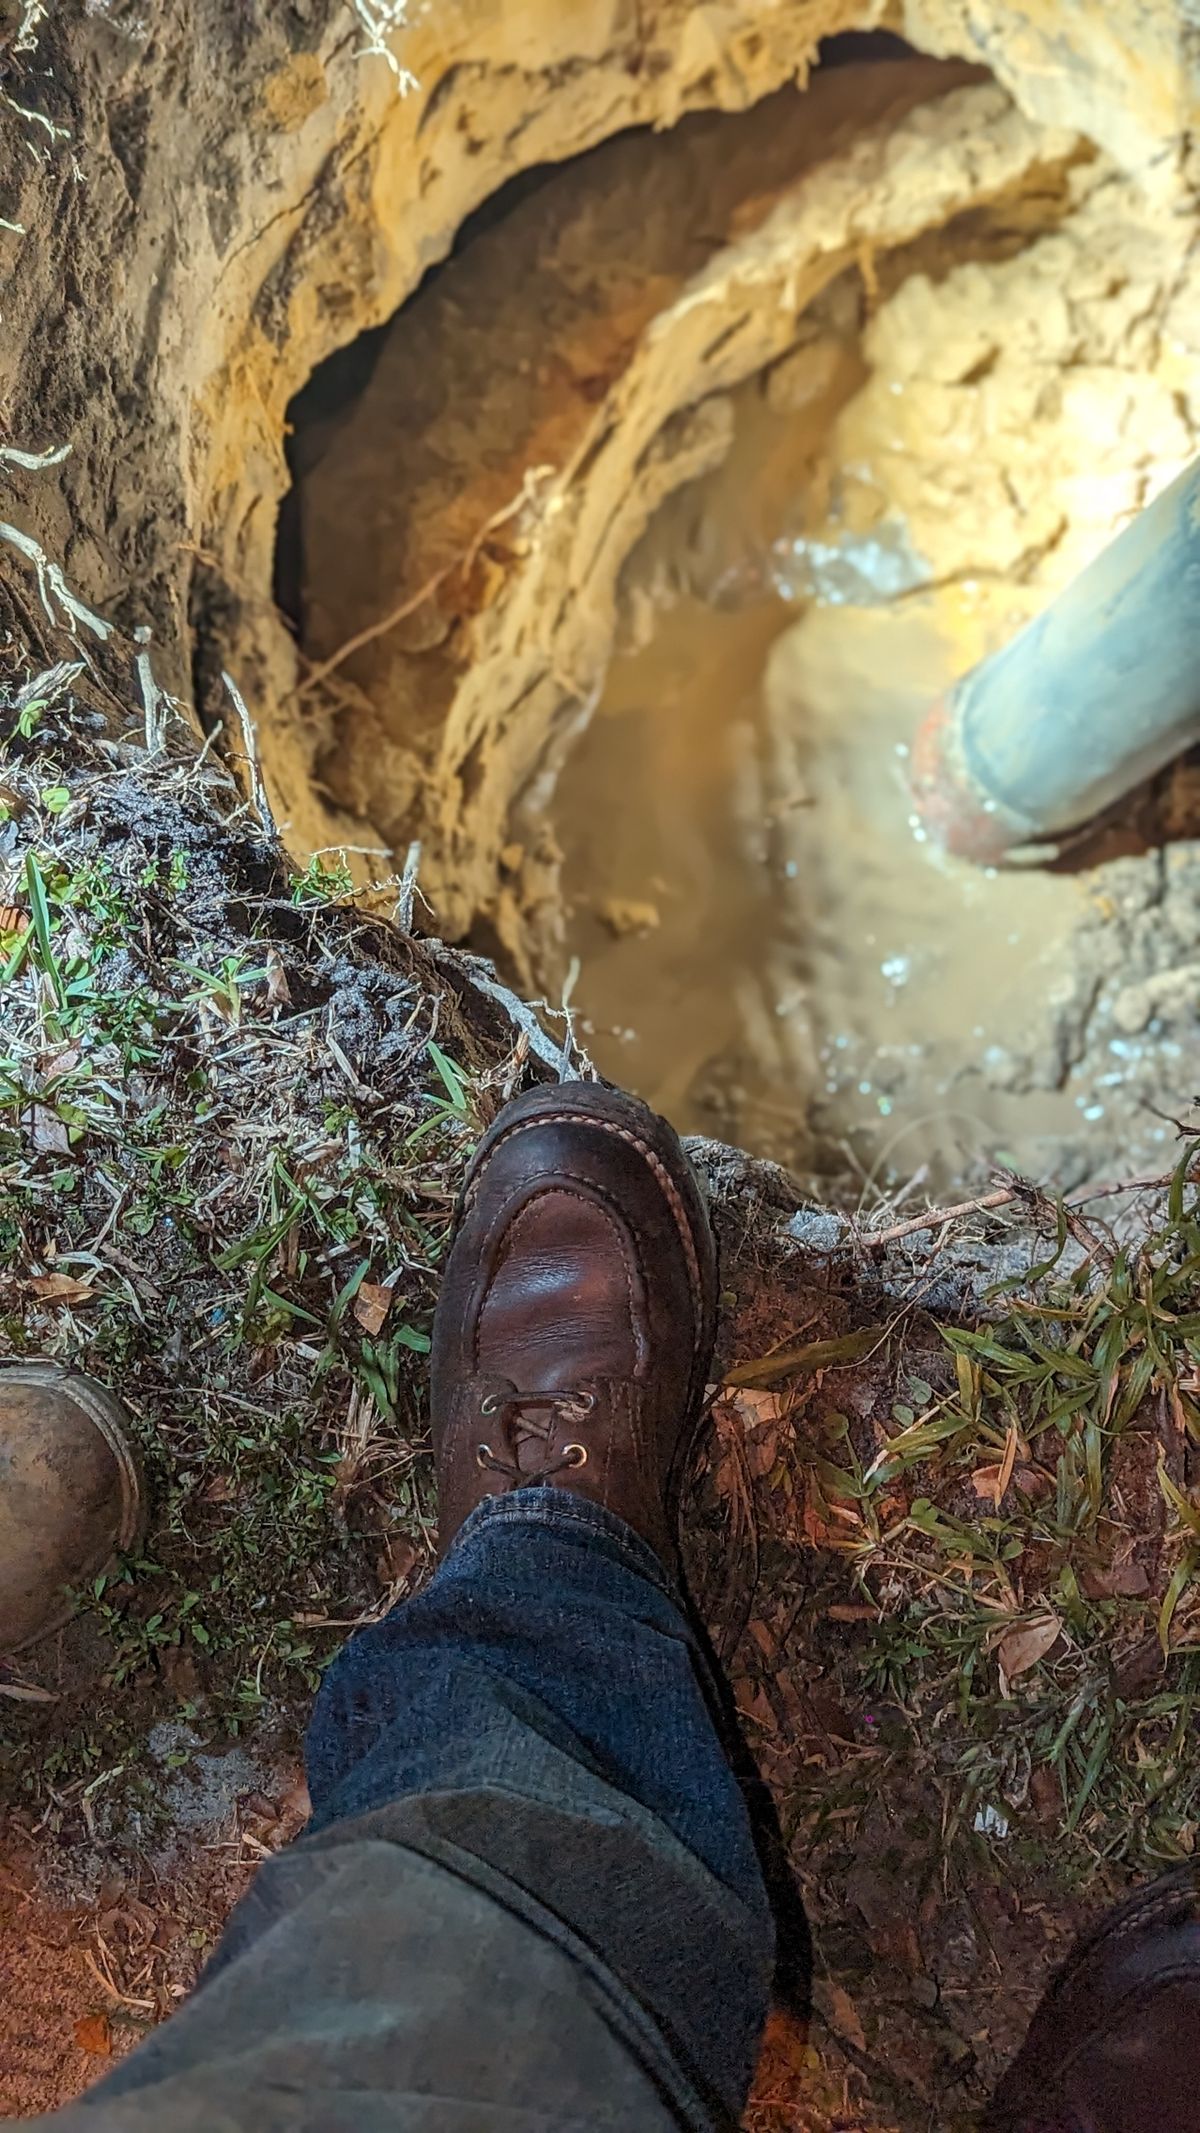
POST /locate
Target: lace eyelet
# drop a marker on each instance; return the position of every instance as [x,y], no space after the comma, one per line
[491,1403]
[587,1402]
[575,1455]
[483,1455]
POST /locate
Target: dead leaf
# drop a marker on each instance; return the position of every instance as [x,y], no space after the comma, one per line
[180,1672]
[786,2058]
[1007,1463]
[836,2007]
[983,1481]
[396,1559]
[1113,1580]
[294,1809]
[1024,1646]
[372,1304]
[1141,1671]
[55,1064]
[990,1482]
[278,994]
[1046,1793]
[93,2033]
[61,1288]
[25,1692]
[751,1407]
[762,1450]
[816,1526]
[727,1477]
[1034,1483]
[753,1703]
[810,1356]
[755,1416]
[48,1131]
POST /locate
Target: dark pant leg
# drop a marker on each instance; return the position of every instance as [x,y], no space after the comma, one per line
[530,1895]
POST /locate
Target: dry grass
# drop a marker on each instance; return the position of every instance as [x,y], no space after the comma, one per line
[954,1564]
[230,1141]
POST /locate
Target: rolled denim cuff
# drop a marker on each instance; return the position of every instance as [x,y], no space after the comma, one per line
[572,1517]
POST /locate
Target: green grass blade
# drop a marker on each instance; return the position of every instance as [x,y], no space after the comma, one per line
[43,931]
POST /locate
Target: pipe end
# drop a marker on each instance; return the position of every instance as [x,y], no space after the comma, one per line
[957,816]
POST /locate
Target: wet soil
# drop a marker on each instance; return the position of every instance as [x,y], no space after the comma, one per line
[769,947]
[770,952]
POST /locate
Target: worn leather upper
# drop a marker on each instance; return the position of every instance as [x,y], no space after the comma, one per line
[70,1493]
[1115,2045]
[575,1323]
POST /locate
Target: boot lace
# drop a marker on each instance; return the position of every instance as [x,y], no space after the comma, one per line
[526,1416]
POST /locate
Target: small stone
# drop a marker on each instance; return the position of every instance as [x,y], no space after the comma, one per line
[816,1230]
[624,915]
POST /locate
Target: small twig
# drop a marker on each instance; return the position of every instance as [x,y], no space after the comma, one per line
[426,591]
[356,1082]
[26,1692]
[124,1999]
[262,806]
[391,621]
[937,1217]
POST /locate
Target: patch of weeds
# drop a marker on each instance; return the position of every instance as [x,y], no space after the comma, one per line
[322,882]
[1026,1549]
[231,1210]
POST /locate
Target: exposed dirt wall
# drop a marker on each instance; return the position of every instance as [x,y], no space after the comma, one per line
[520,492]
[208,201]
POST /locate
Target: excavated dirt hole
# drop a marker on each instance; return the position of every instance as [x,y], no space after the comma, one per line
[943,357]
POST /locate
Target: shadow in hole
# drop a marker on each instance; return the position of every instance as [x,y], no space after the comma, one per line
[792,1982]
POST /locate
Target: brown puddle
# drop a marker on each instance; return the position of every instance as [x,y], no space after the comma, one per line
[769,949]
[919,444]
[817,980]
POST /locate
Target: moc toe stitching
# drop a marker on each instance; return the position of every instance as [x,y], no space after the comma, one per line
[650,1156]
[524,1202]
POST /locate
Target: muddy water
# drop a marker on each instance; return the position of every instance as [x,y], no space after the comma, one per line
[800,972]
[906,982]
[768,949]
[661,807]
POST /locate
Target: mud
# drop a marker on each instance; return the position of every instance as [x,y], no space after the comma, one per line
[814,983]
[799,971]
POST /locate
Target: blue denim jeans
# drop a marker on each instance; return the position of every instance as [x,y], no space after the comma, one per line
[530,1895]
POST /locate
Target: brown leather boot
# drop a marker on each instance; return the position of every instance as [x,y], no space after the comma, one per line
[70,1493]
[1114,2046]
[575,1325]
